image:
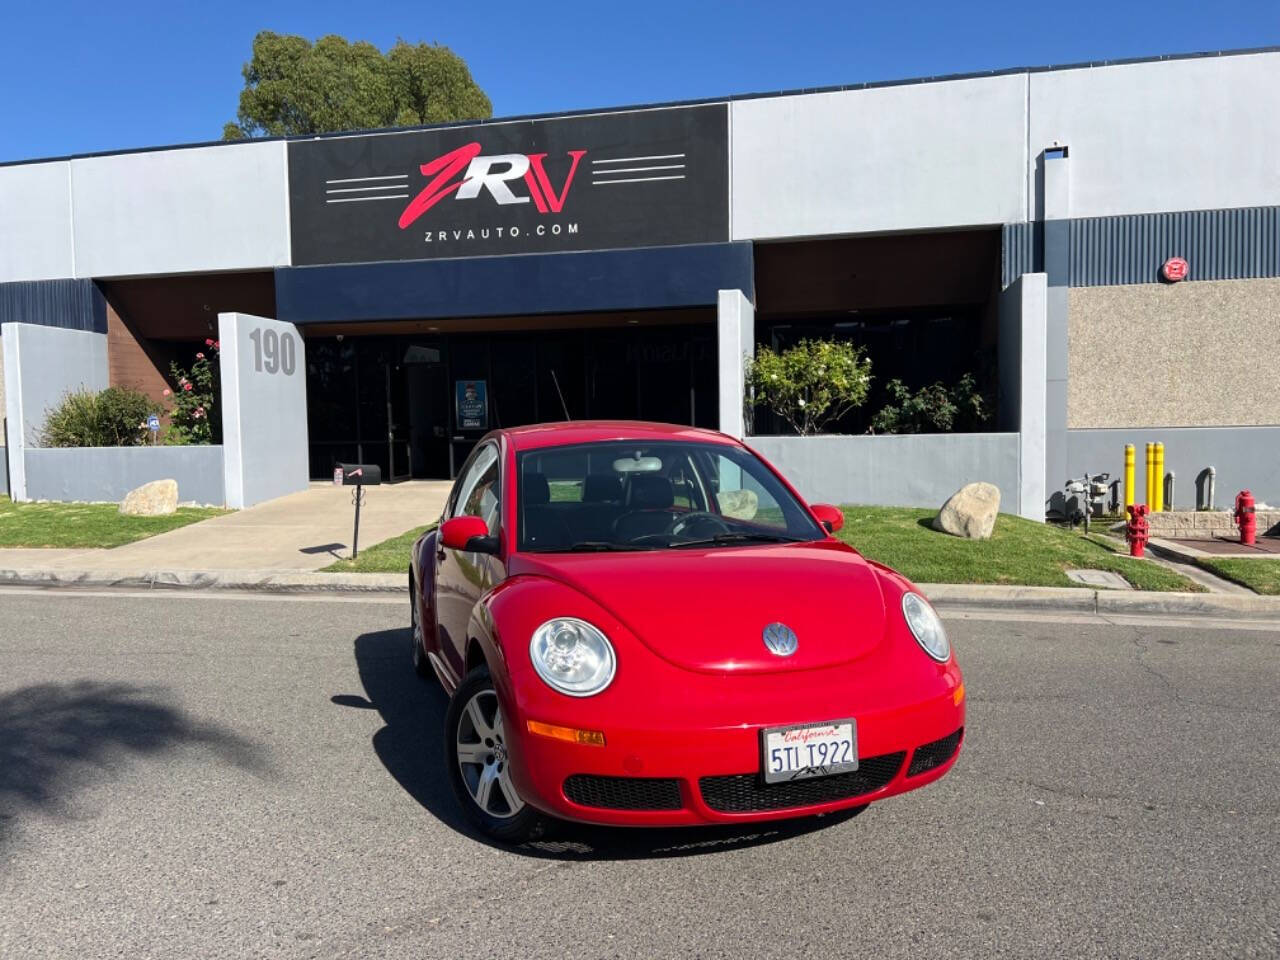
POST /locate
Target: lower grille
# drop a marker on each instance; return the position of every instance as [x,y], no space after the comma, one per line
[623,793]
[934,754]
[747,792]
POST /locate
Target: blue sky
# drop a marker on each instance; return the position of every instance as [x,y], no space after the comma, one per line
[87,76]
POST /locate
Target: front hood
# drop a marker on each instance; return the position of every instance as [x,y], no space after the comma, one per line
[707,609]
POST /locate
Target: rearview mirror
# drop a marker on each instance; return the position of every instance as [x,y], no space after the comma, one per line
[830,517]
[468,533]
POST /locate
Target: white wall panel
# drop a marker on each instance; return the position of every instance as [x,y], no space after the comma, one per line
[177,211]
[890,158]
[1175,135]
[35,222]
[264,409]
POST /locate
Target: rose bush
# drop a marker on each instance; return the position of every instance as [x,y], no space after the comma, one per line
[195,417]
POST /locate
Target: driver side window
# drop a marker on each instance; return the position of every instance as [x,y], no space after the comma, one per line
[478,490]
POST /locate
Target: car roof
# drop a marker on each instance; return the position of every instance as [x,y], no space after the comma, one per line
[569,432]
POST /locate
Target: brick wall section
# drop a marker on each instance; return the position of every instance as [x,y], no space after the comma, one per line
[130,362]
[1207,524]
[1191,354]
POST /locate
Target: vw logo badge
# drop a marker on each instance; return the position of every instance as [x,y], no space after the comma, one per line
[780,639]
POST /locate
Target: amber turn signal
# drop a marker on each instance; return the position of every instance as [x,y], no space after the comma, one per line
[958,695]
[592,738]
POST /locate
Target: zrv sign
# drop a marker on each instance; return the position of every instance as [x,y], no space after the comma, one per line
[604,181]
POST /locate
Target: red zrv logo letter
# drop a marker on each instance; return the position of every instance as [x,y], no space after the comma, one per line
[490,173]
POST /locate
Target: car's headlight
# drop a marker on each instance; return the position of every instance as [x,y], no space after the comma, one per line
[926,626]
[572,656]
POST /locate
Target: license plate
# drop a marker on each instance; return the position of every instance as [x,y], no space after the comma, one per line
[809,750]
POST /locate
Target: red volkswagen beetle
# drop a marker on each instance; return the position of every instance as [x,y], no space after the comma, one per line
[645,624]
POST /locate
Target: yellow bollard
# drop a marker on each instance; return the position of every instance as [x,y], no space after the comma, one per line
[1159,477]
[1151,472]
[1128,475]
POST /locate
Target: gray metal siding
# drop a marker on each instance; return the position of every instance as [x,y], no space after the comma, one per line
[1022,250]
[68,304]
[1106,251]
[1218,245]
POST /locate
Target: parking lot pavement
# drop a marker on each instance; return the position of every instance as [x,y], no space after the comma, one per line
[260,777]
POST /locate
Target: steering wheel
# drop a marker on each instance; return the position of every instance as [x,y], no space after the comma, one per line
[699,524]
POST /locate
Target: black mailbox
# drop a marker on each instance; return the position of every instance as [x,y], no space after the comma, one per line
[361,474]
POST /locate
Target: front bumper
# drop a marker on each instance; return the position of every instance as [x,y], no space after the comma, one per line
[684,763]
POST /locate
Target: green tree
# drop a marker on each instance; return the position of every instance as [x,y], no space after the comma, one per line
[810,384]
[292,86]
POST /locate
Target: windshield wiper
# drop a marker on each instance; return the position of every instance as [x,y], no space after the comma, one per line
[592,546]
[725,538]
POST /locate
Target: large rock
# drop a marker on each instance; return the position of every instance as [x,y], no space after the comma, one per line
[971,512]
[155,499]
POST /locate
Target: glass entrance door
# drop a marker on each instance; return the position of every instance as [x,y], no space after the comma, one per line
[398,415]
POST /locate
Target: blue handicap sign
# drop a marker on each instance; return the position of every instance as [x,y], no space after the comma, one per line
[153,423]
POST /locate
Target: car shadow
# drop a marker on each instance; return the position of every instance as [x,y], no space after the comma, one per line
[411,747]
[59,738]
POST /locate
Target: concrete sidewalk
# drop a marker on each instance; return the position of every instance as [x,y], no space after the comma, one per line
[300,533]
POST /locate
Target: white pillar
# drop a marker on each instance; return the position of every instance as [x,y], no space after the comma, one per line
[41,366]
[735,342]
[264,409]
[1057,266]
[13,418]
[1033,395]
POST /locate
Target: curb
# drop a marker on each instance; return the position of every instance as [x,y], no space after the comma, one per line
[1068,599]
[261,581]
[1179,551]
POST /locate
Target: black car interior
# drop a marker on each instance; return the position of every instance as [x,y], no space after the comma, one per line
[613,508]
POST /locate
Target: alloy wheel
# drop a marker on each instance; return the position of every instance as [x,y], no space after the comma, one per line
[483,758]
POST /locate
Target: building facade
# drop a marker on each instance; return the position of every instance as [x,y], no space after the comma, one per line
[1012,226]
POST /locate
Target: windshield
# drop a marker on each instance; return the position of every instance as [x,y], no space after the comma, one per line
[624,495]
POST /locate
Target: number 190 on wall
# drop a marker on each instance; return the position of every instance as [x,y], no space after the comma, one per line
[274,352]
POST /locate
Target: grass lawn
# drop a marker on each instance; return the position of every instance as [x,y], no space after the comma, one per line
[1260,574]
[389,556]
[1019,552]
[85,524]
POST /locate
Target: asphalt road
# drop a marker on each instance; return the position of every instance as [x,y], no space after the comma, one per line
[251,777]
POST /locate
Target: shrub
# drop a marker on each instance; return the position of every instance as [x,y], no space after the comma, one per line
[196,417]
[932,409]
[811,383]
[114,417]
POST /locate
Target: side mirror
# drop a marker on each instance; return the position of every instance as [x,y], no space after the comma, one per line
[830,517]
[468,533]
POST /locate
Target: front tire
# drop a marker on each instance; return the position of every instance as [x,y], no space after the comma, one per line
[479,766]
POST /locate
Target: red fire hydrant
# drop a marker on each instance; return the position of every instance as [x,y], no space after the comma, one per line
[1245,517]
[1137,531]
